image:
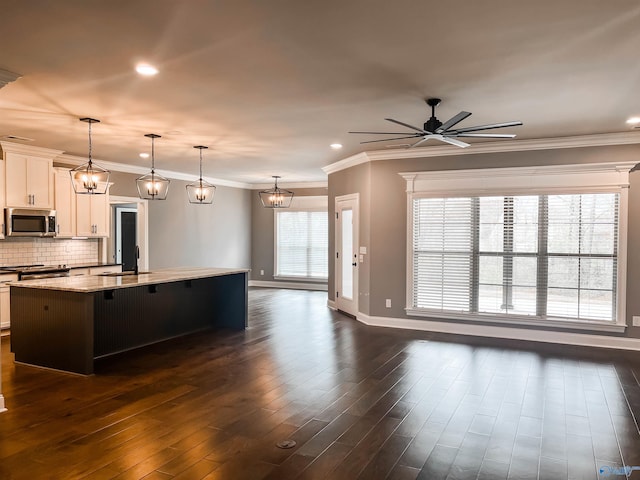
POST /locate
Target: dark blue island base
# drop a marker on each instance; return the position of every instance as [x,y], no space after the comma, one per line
[68,330]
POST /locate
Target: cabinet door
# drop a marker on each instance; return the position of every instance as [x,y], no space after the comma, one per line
[100,215]
[84,226]
[16,180]
[29,181]
[77,272]
[92,215]
[2,197]
[105,269]
[65,204]
[5,312]
[39,181]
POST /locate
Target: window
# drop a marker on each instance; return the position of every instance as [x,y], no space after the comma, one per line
[549,256]
[302,243]
[538,246]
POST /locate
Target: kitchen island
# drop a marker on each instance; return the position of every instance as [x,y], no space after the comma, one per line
[67,323]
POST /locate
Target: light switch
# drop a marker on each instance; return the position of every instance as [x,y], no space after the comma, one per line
[636,321]
[363,250]
[361,258]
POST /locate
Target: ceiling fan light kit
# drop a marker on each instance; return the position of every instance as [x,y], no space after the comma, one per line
[434,129]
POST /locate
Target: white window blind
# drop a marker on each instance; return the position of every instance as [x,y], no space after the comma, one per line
[302,244]
[543,256]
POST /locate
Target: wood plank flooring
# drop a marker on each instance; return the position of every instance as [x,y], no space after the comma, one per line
[361,403]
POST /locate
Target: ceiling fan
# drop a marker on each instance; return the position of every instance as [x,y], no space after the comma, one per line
[435,129]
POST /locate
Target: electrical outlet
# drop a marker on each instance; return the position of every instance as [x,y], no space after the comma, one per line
[636,321]
[261,272]
[388,303]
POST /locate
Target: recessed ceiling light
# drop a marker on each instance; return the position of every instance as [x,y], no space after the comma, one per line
[336,146]
[144,155]
[633,121]
[146,69]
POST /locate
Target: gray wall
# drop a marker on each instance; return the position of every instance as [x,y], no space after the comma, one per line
[181,234]
[383,217]
[262,234]
[353,180]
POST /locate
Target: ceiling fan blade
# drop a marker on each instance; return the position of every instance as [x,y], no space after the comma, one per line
[485,135]
[452,121]
[406,125]
[424,139]
[453,141]
[382,133]
[486,127]
[389,139]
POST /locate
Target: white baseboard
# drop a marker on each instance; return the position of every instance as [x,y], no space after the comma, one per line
[565,338]
[332,304]
[292,285]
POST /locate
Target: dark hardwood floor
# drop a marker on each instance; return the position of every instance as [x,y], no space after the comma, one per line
[361,403]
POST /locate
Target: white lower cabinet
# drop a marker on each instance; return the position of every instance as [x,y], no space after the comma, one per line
[5,299]
[76,272]
[105,269]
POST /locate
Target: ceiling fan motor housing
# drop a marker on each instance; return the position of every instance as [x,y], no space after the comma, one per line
[432,124]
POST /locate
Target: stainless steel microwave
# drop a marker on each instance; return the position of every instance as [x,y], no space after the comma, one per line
[26,222]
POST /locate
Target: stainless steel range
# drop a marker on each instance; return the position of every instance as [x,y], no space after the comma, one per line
[33,272]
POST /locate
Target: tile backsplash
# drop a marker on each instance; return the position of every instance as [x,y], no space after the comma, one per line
[48,251]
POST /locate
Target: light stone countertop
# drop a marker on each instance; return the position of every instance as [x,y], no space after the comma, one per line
[97,283]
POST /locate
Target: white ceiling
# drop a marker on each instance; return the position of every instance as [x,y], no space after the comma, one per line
[268,85]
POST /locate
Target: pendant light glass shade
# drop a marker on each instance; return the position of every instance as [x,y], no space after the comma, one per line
[153,186]
[276,197]
[201,192]
[89,178]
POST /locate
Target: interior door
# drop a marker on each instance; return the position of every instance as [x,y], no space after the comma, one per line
[346,245]
[125,236]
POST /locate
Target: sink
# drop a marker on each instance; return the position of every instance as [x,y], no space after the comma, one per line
[121,274]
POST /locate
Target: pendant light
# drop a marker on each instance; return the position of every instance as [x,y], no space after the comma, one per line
[200,192]
[89,178]
[276,197]
[153,186]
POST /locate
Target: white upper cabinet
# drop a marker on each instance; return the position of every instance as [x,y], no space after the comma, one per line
[79,215]
[28,176]
[92,215]
[29,181]
[65,204]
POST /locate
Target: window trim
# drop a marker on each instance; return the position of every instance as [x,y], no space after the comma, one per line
[317,203]
[554,179]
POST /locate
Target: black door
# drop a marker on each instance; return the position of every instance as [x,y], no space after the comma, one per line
[128,239]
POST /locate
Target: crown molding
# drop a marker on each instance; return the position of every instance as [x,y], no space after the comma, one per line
[352,161]
[126,168]
[20,149]
[262,186]
[597,140]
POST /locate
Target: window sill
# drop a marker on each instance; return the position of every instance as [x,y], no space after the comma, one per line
[597,326]
[300,279]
